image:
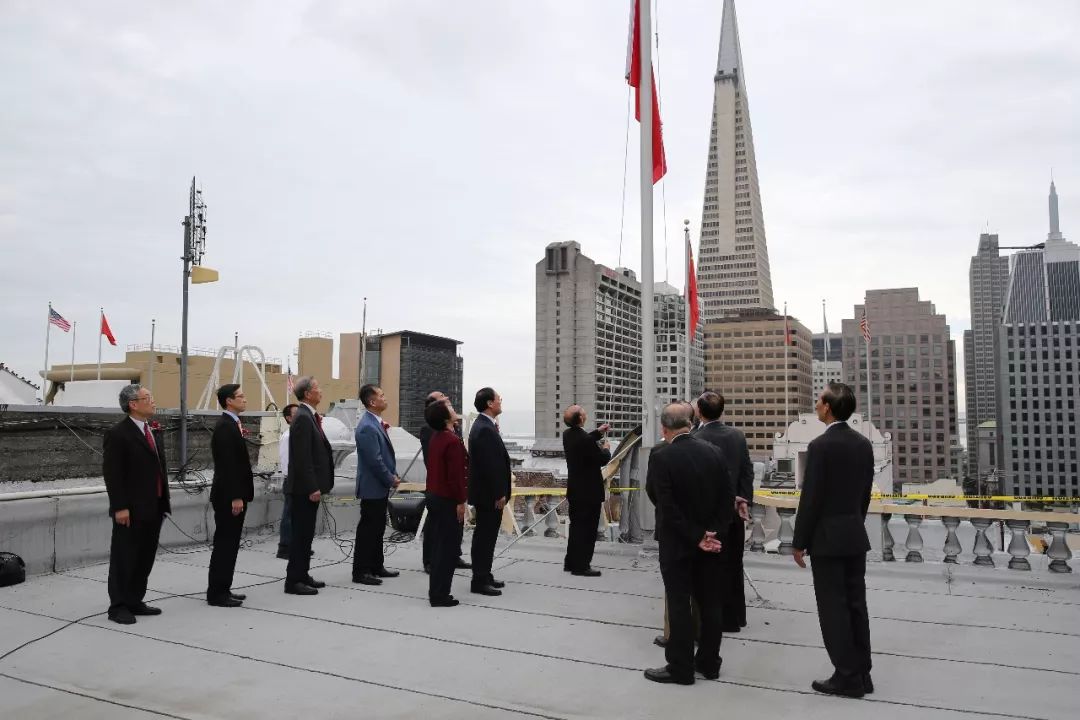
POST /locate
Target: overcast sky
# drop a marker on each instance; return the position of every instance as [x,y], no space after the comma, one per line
[424,153]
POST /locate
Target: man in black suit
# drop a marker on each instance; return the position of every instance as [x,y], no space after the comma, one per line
[135,477]
[489,488]
[732,445]
[689,484]
[830,528]
[586,455]
[429,538]
[233,489]
[311,475]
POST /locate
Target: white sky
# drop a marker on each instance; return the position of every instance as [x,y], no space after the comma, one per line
[423,153]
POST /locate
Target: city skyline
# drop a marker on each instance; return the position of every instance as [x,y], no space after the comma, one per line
[312,130]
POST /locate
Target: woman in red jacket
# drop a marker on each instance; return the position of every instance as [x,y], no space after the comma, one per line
[447,481]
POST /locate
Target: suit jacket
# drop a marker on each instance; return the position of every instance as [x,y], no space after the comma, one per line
[427,432]
[376,465]
[689,484]
[585,460]
[732,445]
[131,469]
[448,472]
[489,465]
[233,479]
[835,494]
[311,459]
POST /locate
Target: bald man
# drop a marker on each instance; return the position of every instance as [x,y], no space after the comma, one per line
[586,454]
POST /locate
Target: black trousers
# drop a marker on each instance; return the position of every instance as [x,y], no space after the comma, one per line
[840,589]
[304,513]
[694,579]
[368,547]
[584,521]
[430,537]
[131,558]
[734,590]
[285,528]
[485,534]
[444,530]
[228,529]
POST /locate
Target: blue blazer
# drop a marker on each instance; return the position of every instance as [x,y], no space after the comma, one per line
[375,462]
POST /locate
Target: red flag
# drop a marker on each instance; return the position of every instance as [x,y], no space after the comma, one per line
[691,292]
[633,76]
[106,331]
[789,332]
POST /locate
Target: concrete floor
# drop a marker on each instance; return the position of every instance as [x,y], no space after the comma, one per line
[949,641]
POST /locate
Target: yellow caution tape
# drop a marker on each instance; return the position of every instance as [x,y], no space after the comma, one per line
[925,496]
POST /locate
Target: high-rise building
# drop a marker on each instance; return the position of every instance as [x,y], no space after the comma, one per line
[733,271]
[913,377]
[588,342]
[745,358]
[828,364]
[1038,367]
[408,366]
[988,275]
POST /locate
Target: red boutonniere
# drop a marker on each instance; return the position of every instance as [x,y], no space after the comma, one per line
[155,426]
[244,431]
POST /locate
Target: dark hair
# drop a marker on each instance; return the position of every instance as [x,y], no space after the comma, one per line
[287,411]
[484,396]
[128,395]
[431,398]
[225,392]
[437,414]
[841,400]
[710,405]
[572,419]
[367,392]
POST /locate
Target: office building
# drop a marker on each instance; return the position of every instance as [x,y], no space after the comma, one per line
[828,364]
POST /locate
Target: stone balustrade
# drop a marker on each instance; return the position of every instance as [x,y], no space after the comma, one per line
[1019,524]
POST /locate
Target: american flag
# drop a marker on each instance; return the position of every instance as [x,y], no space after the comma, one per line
[58,320]
[864,326]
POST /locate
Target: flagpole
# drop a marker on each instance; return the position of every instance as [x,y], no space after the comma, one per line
[153,327]
[45,375]
[787,368]
[869,385]
[686,307]
[73,324]
[648,339]
[825,323]
[100,320]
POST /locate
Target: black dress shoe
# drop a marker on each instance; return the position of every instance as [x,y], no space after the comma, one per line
[312,582]
[662,675]
[497,584]
[837,686]
[237,596]
[488,590]
[587,572]
[427,568]
[367,579]
[122,616]
[144,609]
[730,628]
[384,573]
[660,641]
[463,565]
[224,601]
[867,684]
[300,589]
[709,672]
[450,601]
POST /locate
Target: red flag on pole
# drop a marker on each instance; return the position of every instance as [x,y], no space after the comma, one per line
[691,292]
[106,331]
[633,76]
[789,333]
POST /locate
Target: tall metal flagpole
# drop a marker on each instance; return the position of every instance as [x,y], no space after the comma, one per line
[787,368]
[72,366]
[686,306]
[153,327]
[869,385]
[825,324]
[101,318]
[648,339]
[45,374]
[189,223]
[363,349]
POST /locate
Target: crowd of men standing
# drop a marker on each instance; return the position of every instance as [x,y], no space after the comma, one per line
[700,480]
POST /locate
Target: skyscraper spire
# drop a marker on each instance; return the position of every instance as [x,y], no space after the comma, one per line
[1055,223]
[733,263]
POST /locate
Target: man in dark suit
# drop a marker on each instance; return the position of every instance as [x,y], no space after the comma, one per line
[586,455]
[489,488]
[429,538]
[311,475]
[376,478]
[135,477]
[732,445]
[830,528]
[688,482]
[233,489]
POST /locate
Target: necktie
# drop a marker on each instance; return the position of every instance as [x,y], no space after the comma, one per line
[386,428]
[153,446]
[318,422]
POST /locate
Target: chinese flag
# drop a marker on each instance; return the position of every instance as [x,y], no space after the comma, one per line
[106,331]
[633,76]
[691,292]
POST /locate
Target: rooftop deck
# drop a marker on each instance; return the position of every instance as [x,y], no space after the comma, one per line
[949,641]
